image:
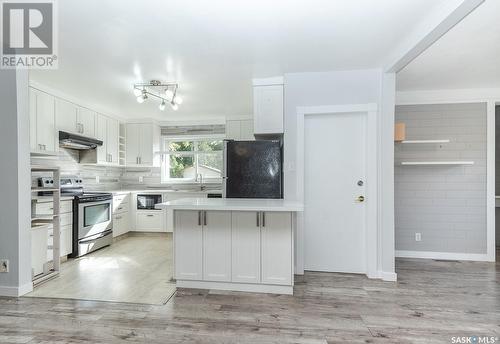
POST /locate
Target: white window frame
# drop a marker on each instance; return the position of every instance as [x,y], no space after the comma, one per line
[165,157]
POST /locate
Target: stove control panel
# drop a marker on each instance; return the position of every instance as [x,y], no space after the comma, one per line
[46,182]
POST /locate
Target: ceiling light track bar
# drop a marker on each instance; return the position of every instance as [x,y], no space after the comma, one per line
[165,91]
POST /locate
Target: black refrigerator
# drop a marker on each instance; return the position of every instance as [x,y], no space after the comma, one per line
[253,169]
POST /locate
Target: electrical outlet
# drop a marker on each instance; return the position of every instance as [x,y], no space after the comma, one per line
[418,236]
[97,179]
[4,265]
[141,179]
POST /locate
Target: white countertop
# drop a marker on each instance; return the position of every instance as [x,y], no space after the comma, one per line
[235,204]
[119,192]
[42,199]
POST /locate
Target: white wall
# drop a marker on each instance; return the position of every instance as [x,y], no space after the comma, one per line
[347,87]
[15,217]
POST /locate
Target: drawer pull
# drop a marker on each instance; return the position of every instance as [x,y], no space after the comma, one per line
[118,217]
[150,215]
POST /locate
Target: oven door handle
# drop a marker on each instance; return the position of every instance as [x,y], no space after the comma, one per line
[103,234]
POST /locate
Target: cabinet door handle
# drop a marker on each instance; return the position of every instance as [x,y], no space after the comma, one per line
[263,219]
[199,217]
[204,218]
[118,217]
[258,219]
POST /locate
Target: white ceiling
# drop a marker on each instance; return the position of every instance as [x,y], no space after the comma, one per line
[214,48]
[468,56]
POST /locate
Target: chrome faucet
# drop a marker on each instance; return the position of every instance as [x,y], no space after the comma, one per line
[200,180]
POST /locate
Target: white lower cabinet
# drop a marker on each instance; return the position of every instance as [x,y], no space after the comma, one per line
[276,248]
[188,238]
[217,246]
[245,247]
[120,224]
[240,247]
[66,240]
[150,221]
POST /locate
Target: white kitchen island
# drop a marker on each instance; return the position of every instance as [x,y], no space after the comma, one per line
[234,244]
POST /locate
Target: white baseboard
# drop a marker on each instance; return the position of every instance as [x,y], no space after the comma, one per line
[16,291]
[478,257]
[252,288]
[388,276]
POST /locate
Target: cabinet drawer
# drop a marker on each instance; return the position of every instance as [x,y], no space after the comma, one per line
[119,208]
[120,224]
[48,207]
[151,221]
[66,219]
[117,199]
[66,239]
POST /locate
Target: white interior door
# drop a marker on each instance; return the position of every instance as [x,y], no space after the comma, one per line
[334,179]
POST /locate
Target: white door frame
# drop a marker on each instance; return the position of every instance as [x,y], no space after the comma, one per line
[372,231]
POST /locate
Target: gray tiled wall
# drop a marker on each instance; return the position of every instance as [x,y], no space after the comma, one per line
[67,161]
[446,204]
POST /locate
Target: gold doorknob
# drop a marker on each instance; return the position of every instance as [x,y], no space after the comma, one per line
[360,199]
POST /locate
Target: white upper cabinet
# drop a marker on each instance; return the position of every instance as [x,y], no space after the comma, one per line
[86,122]
[268,106]
[113,139]
[143,142]
[75,119]
[66,116]
[107,130]
[101,134]
[132,144]
[42,123]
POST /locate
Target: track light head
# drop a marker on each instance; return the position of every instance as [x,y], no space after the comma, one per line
[162,106]
[178,100]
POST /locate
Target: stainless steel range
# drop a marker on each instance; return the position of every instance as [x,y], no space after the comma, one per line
[92,218]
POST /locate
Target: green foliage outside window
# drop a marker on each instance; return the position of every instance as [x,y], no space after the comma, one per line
[179,163]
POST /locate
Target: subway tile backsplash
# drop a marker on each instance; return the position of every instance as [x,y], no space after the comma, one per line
[110,178]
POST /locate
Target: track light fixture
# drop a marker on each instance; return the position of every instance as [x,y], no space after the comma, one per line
[166,92]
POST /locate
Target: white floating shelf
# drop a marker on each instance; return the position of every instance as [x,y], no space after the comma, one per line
[424,141]
[435,163]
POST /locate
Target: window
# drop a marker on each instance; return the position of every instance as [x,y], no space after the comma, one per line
[188,159]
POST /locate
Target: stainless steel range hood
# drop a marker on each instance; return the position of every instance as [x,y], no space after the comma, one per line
[77,142]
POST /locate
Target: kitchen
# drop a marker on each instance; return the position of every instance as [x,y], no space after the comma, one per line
[236,172]
[113,176]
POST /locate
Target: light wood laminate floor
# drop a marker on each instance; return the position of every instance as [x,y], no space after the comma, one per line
[432,302]
[136,269]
